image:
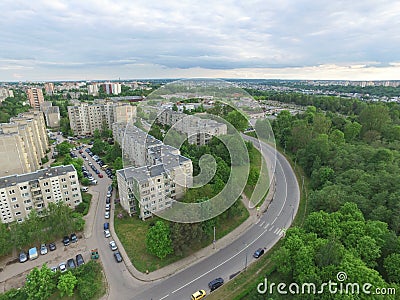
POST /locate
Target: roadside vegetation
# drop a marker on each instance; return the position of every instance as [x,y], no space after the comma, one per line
[352,167]
[54,222]
[86,282]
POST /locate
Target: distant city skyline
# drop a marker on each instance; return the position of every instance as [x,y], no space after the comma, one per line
[54,40]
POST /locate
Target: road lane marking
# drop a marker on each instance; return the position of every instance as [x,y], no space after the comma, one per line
[276,230]
[261,225]
[266,226]
[272,227]
[258,221]
[164,297]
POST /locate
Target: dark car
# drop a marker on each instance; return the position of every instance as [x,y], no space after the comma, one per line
[118,256]
[71,263]
[97,171]
[258,253]
[23,257]
[108,200]
[79,260]
[106,226]
[66,240]
[216,283]
[110,188]
[52,246]
[74,238]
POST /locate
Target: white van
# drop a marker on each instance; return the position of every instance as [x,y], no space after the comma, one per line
[84,189]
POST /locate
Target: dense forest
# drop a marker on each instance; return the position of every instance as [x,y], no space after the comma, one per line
[353,225]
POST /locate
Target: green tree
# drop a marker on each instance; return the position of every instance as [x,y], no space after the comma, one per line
[352,131]
[66,284]
[374,117]
[40,283]
[158,240]
[238,120]
[63,148]
[392,267]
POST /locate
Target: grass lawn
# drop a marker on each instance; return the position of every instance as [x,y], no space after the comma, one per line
[132,233]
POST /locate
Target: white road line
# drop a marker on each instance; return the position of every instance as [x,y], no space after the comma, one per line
[258,221]
[266,226]
[164,297]
[279,232]
[276,230]
[261,225]
[272,227]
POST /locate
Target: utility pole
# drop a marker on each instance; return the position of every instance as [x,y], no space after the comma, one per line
[214,241]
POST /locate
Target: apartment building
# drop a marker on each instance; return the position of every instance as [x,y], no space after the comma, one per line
[5,93]
[23,142]
[93,89]
[158,176]
[197,130]
[111,88]
[35,97]
[49,88]
[51,114]
[19,194]
[86,118]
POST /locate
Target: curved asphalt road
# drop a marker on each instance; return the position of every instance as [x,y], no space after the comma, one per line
[235,257]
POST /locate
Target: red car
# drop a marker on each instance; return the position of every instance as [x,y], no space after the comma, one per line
[101,175]
[81,151]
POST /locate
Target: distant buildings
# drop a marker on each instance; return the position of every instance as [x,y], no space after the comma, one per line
[198,131]
[86,118]
[19,194]
[23,143]
[35,97]
[160,174]
[5,93]
[111,88]
[93,89]
[49,88]
[51,114]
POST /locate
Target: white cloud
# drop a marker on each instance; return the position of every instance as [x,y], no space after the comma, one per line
[90,37]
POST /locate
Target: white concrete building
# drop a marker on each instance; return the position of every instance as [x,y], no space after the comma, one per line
[19,194]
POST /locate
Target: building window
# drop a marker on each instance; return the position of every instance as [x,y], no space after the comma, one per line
[16,205]
[11,192]
[18,213]
[63,179]
[45,183]
[47,190]
[13,199]
[66,193]
[64,186]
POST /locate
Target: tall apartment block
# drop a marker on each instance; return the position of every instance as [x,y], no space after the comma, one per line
[111,88]
[49,88]
[35,97]
[159,175]
[51,114]
[85,119]
[197,130]
[19,194]
[93,89]
[23,143]
[5,93]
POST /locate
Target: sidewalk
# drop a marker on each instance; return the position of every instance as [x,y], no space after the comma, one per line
[201,254]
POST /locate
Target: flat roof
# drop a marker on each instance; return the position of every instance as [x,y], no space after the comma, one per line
[43,174]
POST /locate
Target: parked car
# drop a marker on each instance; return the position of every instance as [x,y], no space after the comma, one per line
[258,253]
[106,225]
[108,206]
[74,238]
[79,260]
[23,257]
[118,256]
[216,283]
[71,263]
[62,267]
[100,175]
[107,215]
[52,246]
[84,189]
[43,249]
[66,240]
[198,295]
[94,182]
[113,246]
[108,200]
[54,269]
[107,233]
[33,254]
[108,194]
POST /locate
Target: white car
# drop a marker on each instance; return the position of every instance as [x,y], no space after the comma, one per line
[107,233]
[62,267]
[108,206]
[107,215]
[113,246]
[54,269]
[43,249]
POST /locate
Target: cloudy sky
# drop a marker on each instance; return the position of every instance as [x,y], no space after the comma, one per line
[104,39]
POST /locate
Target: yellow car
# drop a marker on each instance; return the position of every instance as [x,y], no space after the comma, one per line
[199,295]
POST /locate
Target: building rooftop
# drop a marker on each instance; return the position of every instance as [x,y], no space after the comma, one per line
[40,174]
